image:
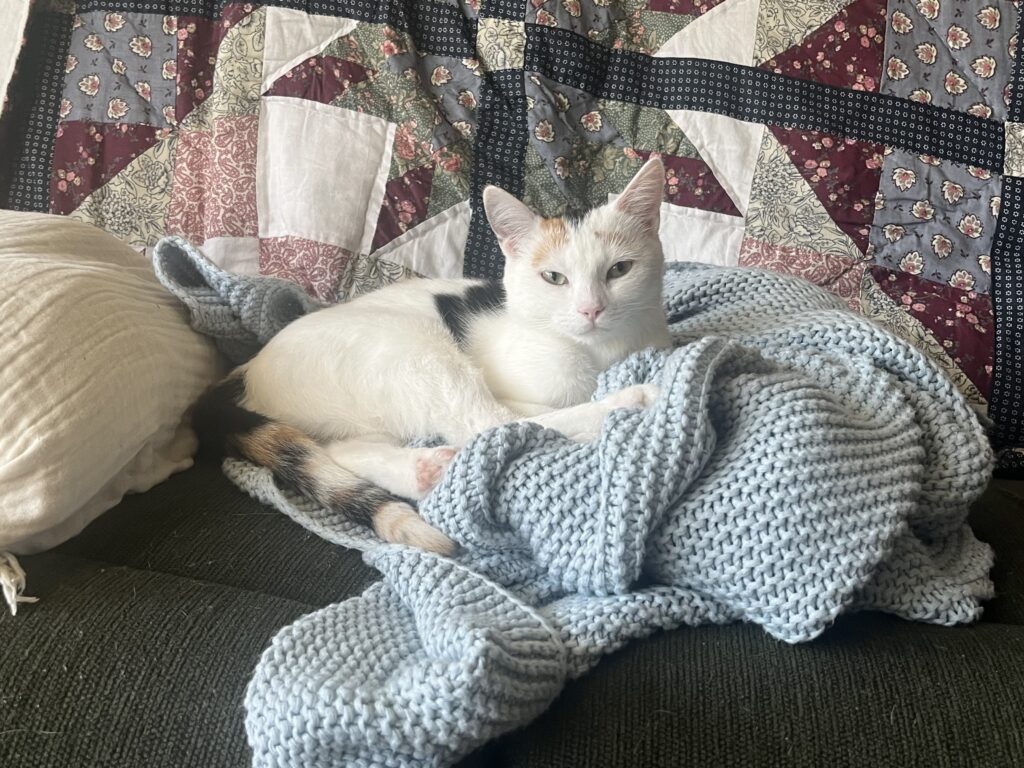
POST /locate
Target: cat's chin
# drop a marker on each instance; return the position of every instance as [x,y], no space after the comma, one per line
[595,334]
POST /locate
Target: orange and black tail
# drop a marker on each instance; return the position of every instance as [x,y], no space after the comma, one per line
[226,428]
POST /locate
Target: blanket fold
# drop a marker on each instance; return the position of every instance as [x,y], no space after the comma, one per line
[799,463]
[240,312]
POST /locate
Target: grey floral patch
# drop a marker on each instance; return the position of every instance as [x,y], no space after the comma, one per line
[936,219]
[951,54]
[562,119]
[454,88]
[121,68]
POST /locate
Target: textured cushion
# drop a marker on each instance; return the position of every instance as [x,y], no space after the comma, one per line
[98,368]
[151,622]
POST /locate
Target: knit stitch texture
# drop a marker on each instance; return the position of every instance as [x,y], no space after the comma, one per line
[240,312]
[800,463]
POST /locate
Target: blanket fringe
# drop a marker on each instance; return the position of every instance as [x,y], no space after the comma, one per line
[12,582]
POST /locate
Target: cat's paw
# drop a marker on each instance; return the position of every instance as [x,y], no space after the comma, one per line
[637,396]
[430,466]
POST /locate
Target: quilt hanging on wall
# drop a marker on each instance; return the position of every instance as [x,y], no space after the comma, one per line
[874,147]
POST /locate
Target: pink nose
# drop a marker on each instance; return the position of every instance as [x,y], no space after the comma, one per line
[591,312]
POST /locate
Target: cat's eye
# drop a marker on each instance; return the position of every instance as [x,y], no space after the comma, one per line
[619,268]
[555,278]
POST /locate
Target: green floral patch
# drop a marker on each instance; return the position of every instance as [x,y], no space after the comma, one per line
[592,173]
[646,31]
[542,192]
[647,128]
[451,177]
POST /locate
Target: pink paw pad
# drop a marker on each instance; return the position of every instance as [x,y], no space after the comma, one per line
[431,466]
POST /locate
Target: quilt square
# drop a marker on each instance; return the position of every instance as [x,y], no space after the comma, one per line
[121,69]
[321,172]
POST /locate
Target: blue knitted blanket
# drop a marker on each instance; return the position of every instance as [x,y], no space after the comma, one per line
[800,463]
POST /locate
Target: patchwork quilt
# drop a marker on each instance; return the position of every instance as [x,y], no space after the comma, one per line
[873,147]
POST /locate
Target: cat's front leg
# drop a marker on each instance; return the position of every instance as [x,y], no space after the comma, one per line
[583,422]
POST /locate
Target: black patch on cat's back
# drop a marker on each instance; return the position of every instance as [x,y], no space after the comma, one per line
[457,311]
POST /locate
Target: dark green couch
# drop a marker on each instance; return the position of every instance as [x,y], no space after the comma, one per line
[151,621]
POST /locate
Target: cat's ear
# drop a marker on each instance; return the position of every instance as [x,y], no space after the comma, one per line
[510,219]
[643,195]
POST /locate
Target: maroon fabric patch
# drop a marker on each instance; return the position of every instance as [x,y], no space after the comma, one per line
[960,320]
[690,183]
[198,42]
[405,204]
[843,173]
[319,78]
[86,155]
[846,51]
[689,7]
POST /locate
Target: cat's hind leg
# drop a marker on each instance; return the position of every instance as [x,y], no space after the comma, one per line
[407,472]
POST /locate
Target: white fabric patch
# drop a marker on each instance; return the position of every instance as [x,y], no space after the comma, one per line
[320,172]
[240,255]
[690,234]
[727,145]
[725,33]
[293,36]
[433,248]
[15,16]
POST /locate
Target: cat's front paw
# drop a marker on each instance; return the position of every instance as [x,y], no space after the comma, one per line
[637,396]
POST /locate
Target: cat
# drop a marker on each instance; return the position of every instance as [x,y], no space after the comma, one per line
[330,402]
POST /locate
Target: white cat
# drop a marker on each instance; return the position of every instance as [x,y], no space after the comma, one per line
[330,401]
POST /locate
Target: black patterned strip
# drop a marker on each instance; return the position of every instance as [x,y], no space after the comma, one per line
[1006,401]
[439,28]
[30,129]
[500,158]
[209,9]
[1015,109]
[504,9]
[759,96]
[1010,465]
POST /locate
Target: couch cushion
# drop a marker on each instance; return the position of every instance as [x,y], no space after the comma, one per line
[152,620]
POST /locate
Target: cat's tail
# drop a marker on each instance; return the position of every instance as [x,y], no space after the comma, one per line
[226,428]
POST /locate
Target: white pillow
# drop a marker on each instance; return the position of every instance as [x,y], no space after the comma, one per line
[97,368]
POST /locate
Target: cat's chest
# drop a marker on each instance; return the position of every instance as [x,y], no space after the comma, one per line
[527,366]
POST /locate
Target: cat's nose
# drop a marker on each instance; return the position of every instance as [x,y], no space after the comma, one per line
[591,312]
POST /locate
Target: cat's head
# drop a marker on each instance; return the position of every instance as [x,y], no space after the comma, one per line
[590,278]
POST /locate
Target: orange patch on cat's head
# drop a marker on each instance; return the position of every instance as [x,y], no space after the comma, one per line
[553,234]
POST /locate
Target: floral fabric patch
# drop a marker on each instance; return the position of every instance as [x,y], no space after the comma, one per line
[121,68]
[951,53]
[936,220]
